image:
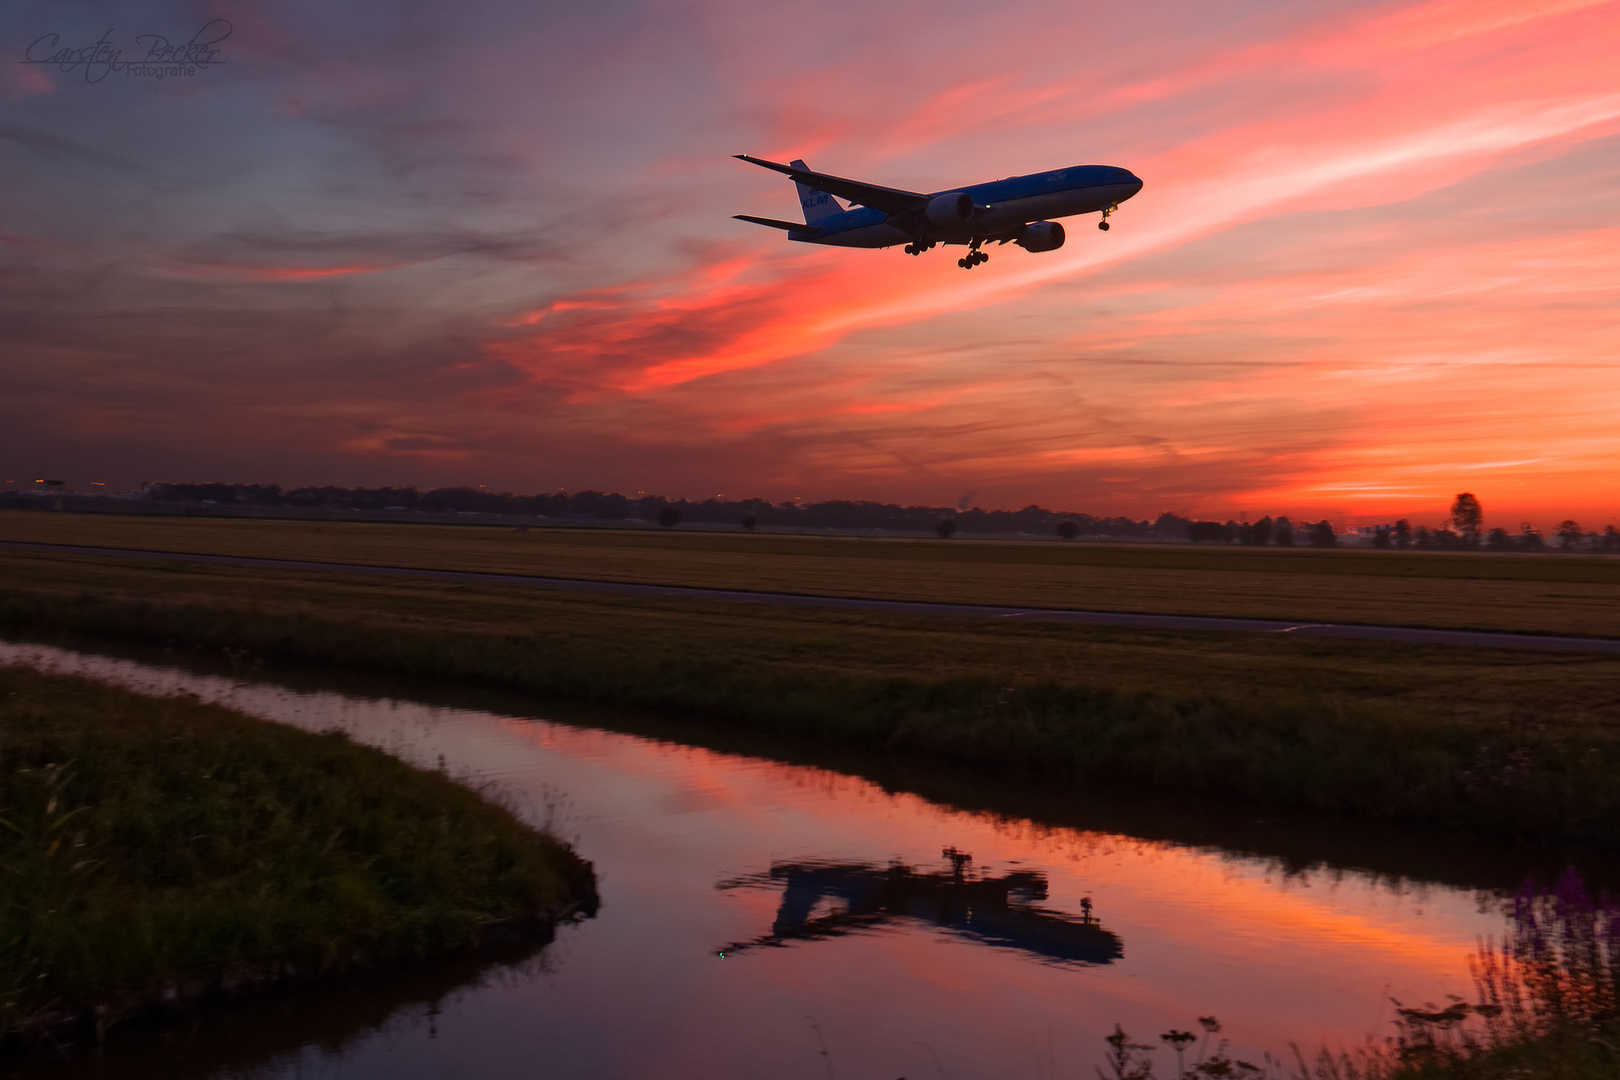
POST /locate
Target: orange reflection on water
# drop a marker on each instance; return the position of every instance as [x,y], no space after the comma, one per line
[1278,958]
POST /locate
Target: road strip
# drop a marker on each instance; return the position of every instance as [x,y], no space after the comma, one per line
[1407,634]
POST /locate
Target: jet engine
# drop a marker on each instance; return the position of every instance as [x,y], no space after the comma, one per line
[951,209]
[1041,236]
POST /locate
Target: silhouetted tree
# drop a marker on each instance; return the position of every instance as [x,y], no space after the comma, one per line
[1530,537]
[669,517]
[1258,534]
[1421,537]
[1499,540]
[946,528]
[1570,535]
[1068,530]
[1403,533]
[1611,538]
[1282,533]
[1209,532]
[1466,517]
[1322,535]
[1168,524]
[1381,537]
[749,521]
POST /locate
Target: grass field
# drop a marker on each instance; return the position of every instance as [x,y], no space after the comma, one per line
[1551,593]
[159,850]
[1500,743]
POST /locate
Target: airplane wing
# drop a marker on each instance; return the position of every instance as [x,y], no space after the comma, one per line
[790,226]
[889,200]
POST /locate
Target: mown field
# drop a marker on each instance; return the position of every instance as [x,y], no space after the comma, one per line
[1551,593]
[1494,742]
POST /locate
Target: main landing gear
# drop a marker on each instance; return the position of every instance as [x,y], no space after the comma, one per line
[1103,224]
[917,247]
[973,258]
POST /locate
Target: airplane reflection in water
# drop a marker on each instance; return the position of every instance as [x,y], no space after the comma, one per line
[994,911]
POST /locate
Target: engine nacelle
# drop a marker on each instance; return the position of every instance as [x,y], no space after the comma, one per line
[951,209]
[1041,236]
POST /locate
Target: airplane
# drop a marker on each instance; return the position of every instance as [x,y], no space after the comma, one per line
[1017,209]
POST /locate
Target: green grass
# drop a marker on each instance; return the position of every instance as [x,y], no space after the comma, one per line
[1552,593]
[161,845]
[1492,743]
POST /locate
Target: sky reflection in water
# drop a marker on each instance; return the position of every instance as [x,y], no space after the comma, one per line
[1013,964]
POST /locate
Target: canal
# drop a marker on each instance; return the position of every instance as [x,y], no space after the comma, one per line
[764,917]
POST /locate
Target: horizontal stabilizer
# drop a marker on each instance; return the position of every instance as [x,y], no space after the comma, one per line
[790,226]
[888,200]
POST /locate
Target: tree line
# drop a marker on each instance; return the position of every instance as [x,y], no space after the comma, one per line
[1463,531]
[748,513]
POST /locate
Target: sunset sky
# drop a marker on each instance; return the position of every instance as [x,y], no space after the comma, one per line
[1376,261]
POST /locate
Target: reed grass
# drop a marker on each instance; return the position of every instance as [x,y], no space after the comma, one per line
[1547,1008]
[162,849]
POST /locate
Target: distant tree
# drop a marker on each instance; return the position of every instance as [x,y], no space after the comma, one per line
[1570,535]
[1611,538]
[1403,533]
[1443,537]
[1421,538]
[1498,540]
[1258,534]
[1209,532]
[749,522]
[1282,532]
[1466,517]
[1530,537]
[669,517]
[1381,537]
[946,528]
[1322,535]
[1068,530]
[1168,524]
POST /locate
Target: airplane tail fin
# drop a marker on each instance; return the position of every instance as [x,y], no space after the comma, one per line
[818,205]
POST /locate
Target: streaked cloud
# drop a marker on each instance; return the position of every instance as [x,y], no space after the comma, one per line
[1373,263]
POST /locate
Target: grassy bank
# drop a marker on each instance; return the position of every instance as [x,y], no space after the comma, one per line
[1552,593]
[1496,744]
[160,851]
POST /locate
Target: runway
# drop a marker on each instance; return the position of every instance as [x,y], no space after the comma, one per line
[1405,634]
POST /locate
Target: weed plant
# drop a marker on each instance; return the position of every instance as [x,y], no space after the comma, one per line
[152,847]
[1548,1008]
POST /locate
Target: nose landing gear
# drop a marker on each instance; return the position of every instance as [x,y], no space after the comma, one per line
[1103,224]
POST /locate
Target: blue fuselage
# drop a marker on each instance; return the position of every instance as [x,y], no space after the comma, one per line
[1003,206]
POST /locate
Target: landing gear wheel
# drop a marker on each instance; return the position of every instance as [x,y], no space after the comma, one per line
[963,263]
[910,250]
[1103,225]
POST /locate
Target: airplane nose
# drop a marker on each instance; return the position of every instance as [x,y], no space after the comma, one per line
[1130,181]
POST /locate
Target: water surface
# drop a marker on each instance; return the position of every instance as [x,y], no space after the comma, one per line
[763,919]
